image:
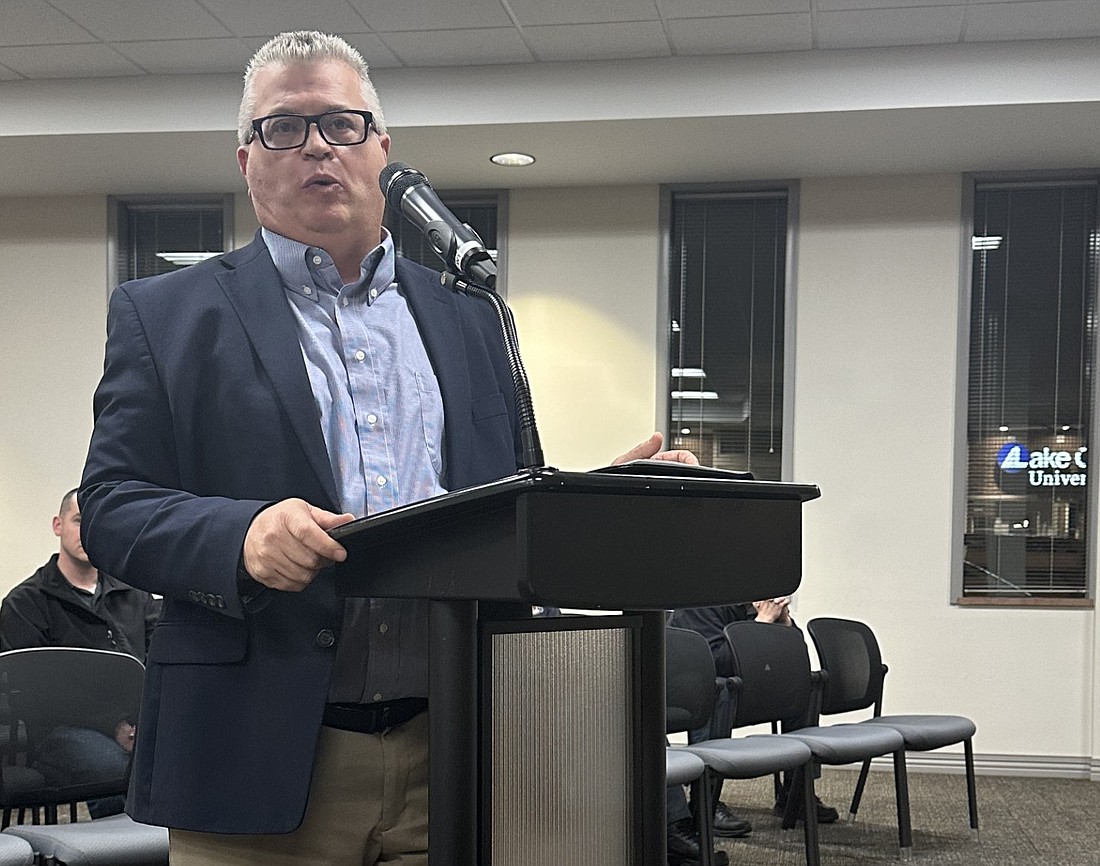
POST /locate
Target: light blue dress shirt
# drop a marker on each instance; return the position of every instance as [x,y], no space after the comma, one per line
[382,420]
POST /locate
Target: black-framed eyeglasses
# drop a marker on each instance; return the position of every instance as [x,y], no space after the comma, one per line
[342,128]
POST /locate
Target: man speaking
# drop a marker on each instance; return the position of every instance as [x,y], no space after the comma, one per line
[248,405]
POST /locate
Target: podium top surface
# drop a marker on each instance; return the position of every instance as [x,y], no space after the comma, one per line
[595,540]
[634,479]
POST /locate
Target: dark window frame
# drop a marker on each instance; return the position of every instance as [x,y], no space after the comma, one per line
[664,362]
[118,205]
[971,183]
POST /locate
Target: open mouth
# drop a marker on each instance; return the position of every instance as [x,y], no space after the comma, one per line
[323,182]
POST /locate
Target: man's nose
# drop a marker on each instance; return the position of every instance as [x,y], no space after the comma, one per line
[315,144]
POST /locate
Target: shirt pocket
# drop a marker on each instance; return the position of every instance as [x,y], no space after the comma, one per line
[431,417]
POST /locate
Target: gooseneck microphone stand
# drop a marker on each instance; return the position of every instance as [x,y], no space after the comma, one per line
[525,411]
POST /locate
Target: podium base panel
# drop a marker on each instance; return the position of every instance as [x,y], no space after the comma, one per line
[561,748]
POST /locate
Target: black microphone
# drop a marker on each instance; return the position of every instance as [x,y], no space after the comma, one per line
[408,193]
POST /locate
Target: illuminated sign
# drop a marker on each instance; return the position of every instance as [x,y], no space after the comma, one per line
[1044,468]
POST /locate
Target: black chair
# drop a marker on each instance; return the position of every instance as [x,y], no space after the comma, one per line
[689,695]
[849,652]
[773,682]
[64,697]
[53,692]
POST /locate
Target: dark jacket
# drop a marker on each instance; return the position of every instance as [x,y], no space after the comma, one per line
[711,622]
[205,415]
[45,610]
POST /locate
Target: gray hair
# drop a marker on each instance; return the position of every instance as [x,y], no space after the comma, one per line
[304,46]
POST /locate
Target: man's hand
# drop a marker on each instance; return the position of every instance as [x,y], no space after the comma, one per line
[288,543]
[773,610]
[124,735]
[651,450]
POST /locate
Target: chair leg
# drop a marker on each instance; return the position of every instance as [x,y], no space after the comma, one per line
[901,793]
[857,795]
[795,797]
[6,820]
[72,812]
[971,787]
[701,798]
[809,816]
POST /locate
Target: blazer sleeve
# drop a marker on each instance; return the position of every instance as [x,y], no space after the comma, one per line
[137,523]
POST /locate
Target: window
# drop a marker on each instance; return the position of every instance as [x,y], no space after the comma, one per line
[1030,391]
[158,235]
[727,288]
[482,213]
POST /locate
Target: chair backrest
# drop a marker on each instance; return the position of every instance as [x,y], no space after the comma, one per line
[49,687]
[772,668]
[689,680]
[849,653]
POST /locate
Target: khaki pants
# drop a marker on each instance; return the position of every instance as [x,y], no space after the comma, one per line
[368,803]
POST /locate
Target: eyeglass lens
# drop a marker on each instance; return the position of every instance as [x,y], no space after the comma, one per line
[291,130]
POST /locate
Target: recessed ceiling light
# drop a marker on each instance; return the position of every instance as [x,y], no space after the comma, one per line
[511,159]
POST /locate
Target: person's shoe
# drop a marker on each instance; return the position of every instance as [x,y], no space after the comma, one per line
[683,846]
[825,814]
[728,825]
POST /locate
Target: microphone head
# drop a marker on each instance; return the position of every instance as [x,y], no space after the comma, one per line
[395,179]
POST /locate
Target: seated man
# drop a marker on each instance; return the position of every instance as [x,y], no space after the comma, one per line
[711,622]
[68,603]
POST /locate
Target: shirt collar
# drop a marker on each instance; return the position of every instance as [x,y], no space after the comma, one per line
[310,271]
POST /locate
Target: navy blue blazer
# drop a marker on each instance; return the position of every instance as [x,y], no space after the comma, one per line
[204,415]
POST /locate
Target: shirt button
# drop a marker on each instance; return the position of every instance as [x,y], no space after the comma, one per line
[383,628]
[380,481]
[373,293]
[360,355]
[372,419]
[325,638]
[317,260]
[307,290]
[345,302]
[377,697]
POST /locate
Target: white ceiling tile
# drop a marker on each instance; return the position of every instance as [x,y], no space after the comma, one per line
[741,35]
[268,17]
[33,22]
[458,47]
[531,12]
[598,41]
[868,28]
[386,17]
[840,5]
[136,20]
[727,9]
[373,49]
[75,61]
[181,56]
[1051,19]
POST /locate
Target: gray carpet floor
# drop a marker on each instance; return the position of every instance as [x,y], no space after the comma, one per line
[1037,822]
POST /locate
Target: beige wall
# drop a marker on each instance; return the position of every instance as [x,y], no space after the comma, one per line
[582,282]
[53,292]
[873,424]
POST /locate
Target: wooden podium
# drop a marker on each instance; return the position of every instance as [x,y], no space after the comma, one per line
[548,734]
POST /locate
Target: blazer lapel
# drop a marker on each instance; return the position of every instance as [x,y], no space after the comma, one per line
[437,315]
[255,290]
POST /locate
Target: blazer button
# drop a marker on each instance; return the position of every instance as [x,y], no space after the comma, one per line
[325,638]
